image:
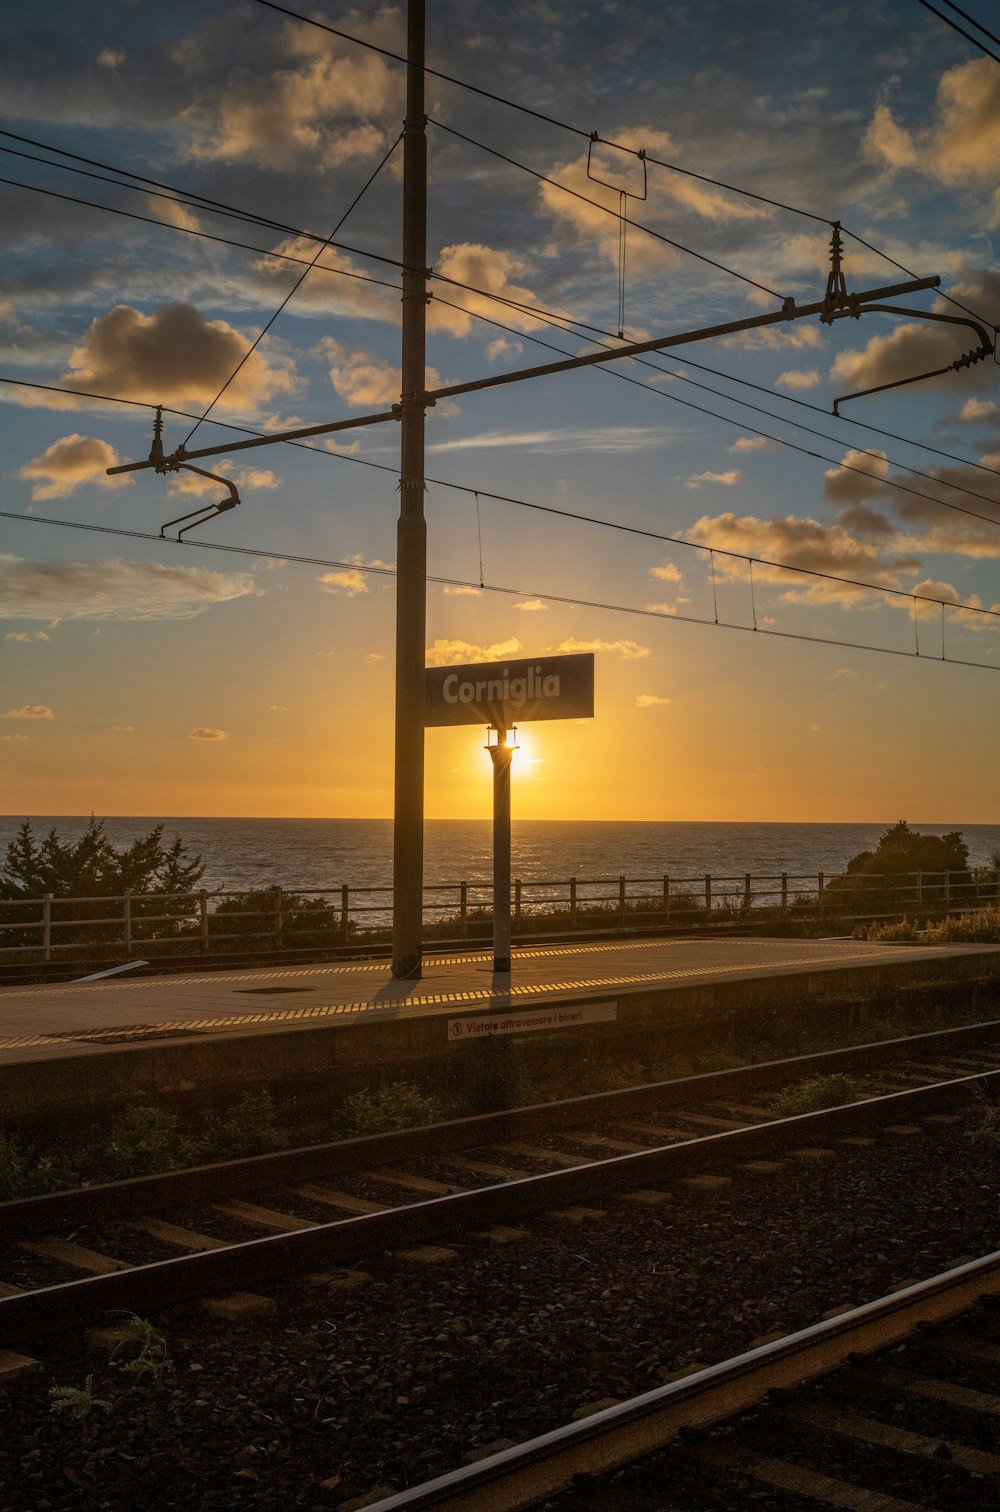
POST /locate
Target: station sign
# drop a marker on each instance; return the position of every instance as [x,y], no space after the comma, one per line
[510,692]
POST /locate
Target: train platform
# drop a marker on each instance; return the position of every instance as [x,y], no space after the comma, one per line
[151,1032]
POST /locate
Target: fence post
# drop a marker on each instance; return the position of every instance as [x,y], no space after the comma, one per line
[47,926]
[708,894]
[666,899]
[947,892]
[820,890]
[127,919]
[203,913]
[784,891]
[746,894]
[279,923]
[345,910]
[621,902]
[517,903]
[463,908]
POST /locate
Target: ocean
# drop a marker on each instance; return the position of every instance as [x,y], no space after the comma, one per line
[240,854]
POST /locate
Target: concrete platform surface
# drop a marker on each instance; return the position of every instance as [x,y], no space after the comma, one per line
[80,1018]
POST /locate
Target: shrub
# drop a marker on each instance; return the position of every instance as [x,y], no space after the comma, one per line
[142,1143]
[250,1128]
[146,1349]
[816,1093]
[398,1105]
[25,1174]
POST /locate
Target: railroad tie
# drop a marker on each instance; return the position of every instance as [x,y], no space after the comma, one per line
[345,1201]
[173,1233]
[262,1217]
[75,1255]
[860,1428]
[782,1475]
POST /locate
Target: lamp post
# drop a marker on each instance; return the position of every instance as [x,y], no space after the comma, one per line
[502,754]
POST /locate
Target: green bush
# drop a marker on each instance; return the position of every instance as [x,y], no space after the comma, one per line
[23,1173]
[398,1105]
[251,1128]
[142,1143]
[816,1093]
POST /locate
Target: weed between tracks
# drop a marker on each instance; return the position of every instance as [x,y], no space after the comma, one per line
[148,1139]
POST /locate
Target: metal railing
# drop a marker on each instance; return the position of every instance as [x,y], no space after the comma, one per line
[288,919]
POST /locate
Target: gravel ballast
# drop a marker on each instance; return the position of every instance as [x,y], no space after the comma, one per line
[353,1384]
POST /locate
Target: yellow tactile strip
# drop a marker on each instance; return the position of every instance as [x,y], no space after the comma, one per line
[470,996]
[279,973]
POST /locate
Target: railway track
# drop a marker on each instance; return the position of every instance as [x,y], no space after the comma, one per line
[144,1243]
[887,1408]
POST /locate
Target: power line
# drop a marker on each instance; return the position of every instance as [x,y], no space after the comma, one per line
[779,440]
[972,21]
[545,179]
[552,598]
[550,318]
[575,515]
[296,286]
[961,29]
[538,115]
[230,211]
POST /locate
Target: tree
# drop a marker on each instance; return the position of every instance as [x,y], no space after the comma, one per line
[92,866]
[901,849]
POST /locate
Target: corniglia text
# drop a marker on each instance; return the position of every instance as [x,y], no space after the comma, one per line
[506,689]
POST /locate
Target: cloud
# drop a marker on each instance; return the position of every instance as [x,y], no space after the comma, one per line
[17,635]
[173,356]
[321,107]
[461,590]
[749,444]
[351,581]
[124,729]
[30,711]
[364,380]
[977,409]
[484,268]
[173,213]
[531,606]
[799,378]
[649,701]
[660,608]
[628,650]
[844,672]
[592,222]
[668,572]
[964,141]
[801,543]
[845,486]
[912,349]
[107,58]
[598,438]
[13,738]
[202,732]
[113,590]
[71,462]
[501,347]
[243,475]
[887,142]
[727,479]
[445,652]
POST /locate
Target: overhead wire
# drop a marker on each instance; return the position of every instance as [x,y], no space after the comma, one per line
[296,286]
[544,178]
[570,514]
[623,377]
[252,218]
[552,598]
[961,29]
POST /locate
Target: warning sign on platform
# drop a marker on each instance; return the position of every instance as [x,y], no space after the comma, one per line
[562,1016]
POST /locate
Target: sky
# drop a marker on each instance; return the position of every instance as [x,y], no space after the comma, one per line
[149,677]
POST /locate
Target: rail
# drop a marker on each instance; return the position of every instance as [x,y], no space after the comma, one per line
[285,918]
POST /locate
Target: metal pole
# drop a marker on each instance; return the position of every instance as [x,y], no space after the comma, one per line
[501,755]
[411,534]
